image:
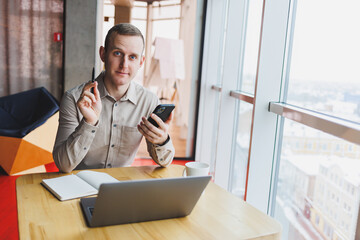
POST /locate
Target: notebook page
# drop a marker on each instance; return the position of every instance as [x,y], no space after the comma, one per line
[95,179]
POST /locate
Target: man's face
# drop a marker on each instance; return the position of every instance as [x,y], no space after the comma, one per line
[122,59]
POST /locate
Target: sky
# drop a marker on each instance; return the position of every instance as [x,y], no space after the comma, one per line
[326,41]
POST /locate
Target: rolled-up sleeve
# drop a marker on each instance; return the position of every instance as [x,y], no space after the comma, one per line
[162,155]
[74,137]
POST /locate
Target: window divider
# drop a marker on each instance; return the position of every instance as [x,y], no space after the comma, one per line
[249,98]
[335,126]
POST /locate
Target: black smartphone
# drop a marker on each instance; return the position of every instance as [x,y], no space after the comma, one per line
[163,111]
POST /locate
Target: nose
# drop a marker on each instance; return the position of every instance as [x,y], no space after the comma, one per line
[124,62]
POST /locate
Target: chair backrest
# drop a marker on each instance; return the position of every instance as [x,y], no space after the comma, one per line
[22,112]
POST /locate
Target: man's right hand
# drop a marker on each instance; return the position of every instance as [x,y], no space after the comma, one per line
[89,103]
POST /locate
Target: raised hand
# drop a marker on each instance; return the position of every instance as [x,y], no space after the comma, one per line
[89,103]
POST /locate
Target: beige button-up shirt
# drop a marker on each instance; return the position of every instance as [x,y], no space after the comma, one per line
[114,141]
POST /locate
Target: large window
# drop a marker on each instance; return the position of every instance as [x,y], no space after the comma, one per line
[318,178]
[292,148]
[171,56]
[173,32]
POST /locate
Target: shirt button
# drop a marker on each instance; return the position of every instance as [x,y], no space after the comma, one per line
[93,131]
[114,125]
[161,159]
[112,145]
[85,148]
[115,104]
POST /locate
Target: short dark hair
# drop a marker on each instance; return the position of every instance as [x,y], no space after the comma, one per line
[123,29]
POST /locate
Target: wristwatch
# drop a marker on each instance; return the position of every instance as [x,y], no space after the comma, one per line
[166,141]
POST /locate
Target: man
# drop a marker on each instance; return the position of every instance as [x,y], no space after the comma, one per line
[103,127]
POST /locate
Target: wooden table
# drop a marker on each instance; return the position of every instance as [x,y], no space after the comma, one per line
[217,215]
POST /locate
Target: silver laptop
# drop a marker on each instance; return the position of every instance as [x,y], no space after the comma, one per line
[143,200]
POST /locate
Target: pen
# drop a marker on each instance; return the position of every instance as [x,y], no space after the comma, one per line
[93,79]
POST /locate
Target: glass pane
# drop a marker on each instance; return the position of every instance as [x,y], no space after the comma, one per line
[166,29]
[324,73]
[215,134]
[109,11]
[139,12]
[318,188]
[252,41]
[240,161]
[141,25]
[166,12]
[157,81]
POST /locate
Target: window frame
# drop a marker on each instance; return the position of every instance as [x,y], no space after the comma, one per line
[269,107]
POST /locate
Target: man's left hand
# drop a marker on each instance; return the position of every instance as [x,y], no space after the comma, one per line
[155,135]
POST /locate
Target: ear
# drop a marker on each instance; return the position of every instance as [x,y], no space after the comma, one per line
[142,60]
[102,53]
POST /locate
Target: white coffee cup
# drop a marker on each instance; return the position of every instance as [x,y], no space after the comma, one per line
[196,169]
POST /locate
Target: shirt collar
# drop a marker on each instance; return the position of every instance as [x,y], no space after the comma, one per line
[101,85]
[129,95]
